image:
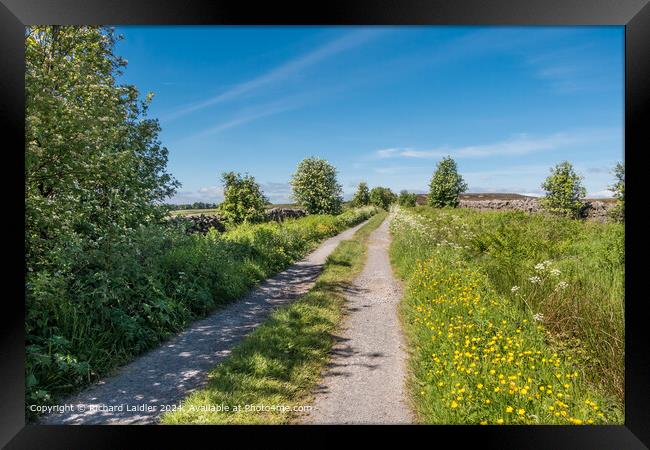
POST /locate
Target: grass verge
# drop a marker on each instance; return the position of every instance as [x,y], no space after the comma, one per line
[481,329]
[268,376]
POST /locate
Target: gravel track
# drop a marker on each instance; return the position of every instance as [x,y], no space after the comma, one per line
[167,374]
[364,382]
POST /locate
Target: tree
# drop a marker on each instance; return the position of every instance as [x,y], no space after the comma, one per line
[243,199]
[382,197]
[564,191]
[406,198]
[446,184]
[316,188]
[618,212]
[362,196]
[94,166]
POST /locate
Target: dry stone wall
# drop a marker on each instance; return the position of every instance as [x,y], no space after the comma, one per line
[202,223]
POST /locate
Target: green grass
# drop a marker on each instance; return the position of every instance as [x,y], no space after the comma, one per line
[547,351]
[121,299]
[281,361]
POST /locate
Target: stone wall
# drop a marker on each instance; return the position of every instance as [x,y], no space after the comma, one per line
[594,210]
[279,214]
[202,223]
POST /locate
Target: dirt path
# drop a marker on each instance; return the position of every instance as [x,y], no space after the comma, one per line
[167,374]
[364,383]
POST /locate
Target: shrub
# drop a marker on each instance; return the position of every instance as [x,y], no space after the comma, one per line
[316,188]
[564,191]
[446,185]
[243,199]
[407,199]
[362,196]
[382,197]
[618,212]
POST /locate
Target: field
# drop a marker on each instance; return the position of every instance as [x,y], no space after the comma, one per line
[511,318]
[112,305]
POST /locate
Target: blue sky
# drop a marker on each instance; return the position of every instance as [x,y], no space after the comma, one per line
[383,104]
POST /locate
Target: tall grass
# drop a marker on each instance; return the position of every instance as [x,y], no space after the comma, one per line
[125,296]
[563,276]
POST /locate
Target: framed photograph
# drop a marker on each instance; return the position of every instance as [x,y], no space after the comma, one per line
[363,216]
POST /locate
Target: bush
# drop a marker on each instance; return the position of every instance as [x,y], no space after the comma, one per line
[243,199]
[446,185]
[382,197]
[618,212]
[123,297]
[362,196]
[315,187]
[407,199]
[564,191]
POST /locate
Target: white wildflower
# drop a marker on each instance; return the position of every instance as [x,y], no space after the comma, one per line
[514,289]
[561,285]
[535,279]
[539,317]
[555,272]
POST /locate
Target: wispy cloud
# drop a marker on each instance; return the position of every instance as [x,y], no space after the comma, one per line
[521,144]
[284,71]
[577,69]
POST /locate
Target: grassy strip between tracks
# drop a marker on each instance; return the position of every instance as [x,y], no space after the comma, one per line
[268,377]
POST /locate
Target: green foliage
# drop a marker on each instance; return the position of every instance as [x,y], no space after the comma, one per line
[94,167]
[564,191]
[281,361]
[618,212]
[362,196]
[120,299]
[316,188]
[406,199]
[243,199]
[566,276]
[382,197]
[446,185]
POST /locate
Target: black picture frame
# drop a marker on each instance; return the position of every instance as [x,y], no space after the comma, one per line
[634,15]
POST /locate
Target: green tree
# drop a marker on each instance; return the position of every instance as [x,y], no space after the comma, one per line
[94,166]
[618,212]
[406,198]
[243,199]
[446,184]
[316,188]
[362,196]
[564,191]
[382,197]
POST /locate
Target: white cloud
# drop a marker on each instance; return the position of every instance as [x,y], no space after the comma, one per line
[282,72]
[521,144]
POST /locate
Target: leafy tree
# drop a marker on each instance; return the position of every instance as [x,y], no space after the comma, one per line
[382,197]
[446,184]
[618,212]
[94,166]
[406,198]
[316,188]
[243,199]
[564,191]
[362,196]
